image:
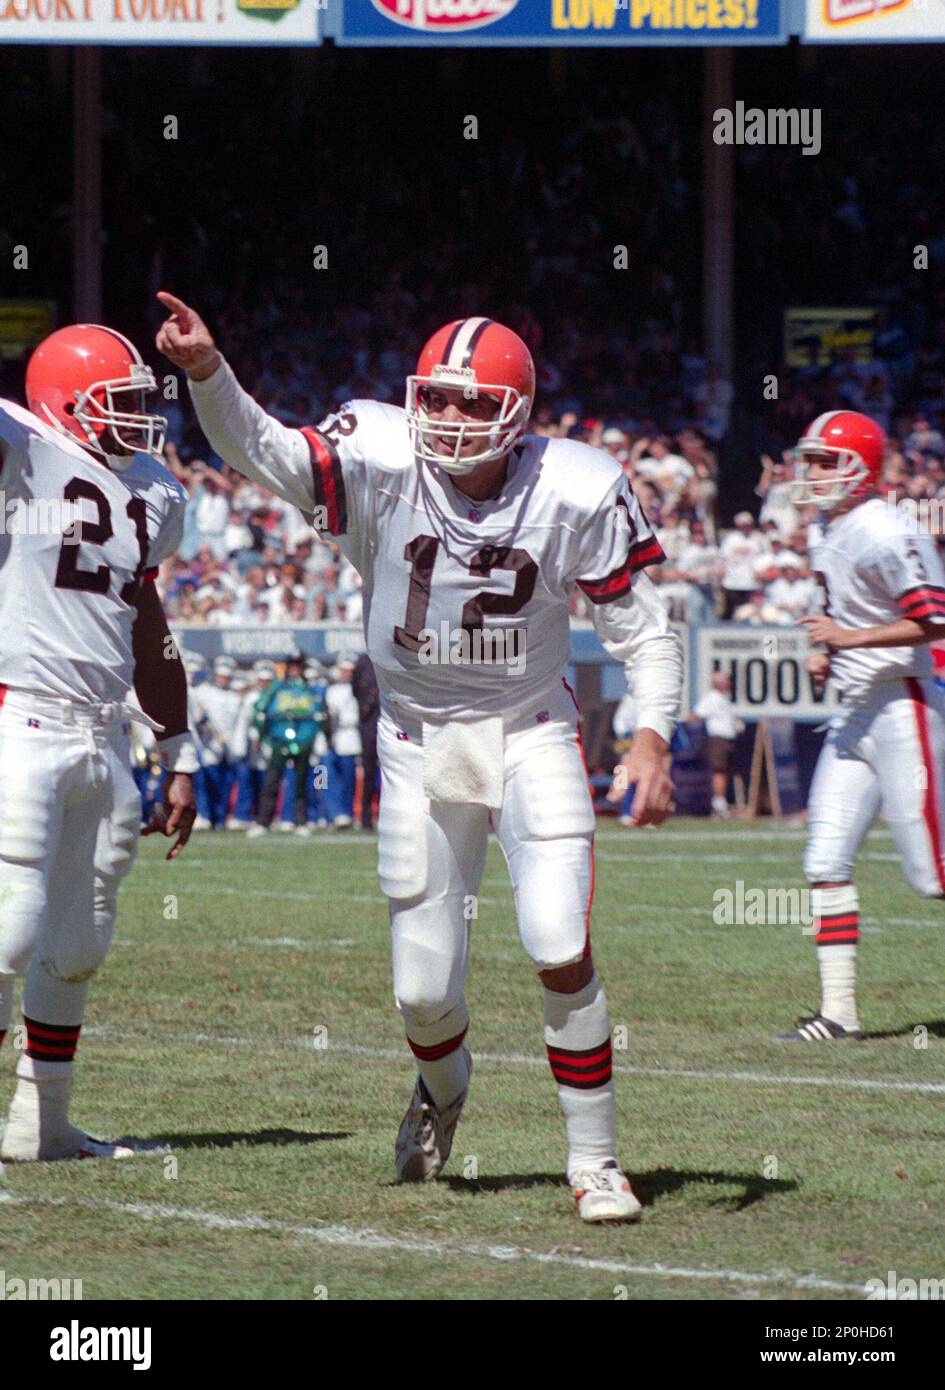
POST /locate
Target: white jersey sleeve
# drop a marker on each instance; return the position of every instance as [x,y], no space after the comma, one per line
[911,572]
[323,470]
[255,443]
[628,613]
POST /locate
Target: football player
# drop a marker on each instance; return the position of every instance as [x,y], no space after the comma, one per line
[470,536]
[884,601]
[91,513]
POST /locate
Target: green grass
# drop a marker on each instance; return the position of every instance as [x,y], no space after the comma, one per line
[202,1037]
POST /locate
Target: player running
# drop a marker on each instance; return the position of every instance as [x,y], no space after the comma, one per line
[89,517]
[470,536]
[884,601]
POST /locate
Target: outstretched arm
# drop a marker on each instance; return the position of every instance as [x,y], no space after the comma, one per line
[241,432]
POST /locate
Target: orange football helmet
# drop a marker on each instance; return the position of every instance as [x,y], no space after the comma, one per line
[858,443]
[480,358]
[78,379]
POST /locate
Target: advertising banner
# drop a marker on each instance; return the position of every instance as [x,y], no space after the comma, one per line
[767,666]
[561,22]
[875,21]
[259,22]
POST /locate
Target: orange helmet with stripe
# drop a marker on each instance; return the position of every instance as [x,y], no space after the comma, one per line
[86,379]
[483,360]
[858,444]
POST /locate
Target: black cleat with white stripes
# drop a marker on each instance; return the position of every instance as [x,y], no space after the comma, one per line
[819,1029]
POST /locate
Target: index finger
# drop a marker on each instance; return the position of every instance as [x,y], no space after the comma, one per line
[176,306]
[181,841]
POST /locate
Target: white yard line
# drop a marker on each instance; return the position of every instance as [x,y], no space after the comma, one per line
[515,1059]
[354,1238]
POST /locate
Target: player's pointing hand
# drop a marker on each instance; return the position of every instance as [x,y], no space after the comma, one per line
[186,340]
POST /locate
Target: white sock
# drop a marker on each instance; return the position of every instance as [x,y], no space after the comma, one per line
[577,1036]
[445,1073]
[836,913]
[38,1126]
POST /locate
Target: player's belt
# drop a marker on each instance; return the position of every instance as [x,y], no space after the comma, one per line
[100,715]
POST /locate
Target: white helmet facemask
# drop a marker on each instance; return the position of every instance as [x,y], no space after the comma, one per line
[498,434]
[825,493]
[136,430]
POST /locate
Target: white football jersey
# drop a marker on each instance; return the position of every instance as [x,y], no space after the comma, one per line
[874,570]
[451,569]
[449,583]
[76,542]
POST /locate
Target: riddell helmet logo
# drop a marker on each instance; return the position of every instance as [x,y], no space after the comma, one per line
[444,16]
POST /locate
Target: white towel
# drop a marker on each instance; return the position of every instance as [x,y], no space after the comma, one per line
[463,762]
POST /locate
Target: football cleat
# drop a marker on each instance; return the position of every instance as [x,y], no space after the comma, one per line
[604,1194]
[72,1143]
[302,832]
[425,1137]
[255,831]
[819,1029]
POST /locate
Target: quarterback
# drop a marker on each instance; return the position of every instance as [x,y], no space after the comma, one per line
[884,601]
[80,624]
[470,536]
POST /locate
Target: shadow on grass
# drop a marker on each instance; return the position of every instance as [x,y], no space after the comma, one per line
[649,1187]
[230,1140]
[936,1029]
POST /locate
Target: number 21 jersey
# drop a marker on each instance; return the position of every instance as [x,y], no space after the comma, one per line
[77,540]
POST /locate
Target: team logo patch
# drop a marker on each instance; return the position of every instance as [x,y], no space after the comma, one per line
[402,737]
[444,16]
[32,723]
[475,516]
[542,717]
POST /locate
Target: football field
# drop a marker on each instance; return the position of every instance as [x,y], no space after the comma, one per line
[243,1025]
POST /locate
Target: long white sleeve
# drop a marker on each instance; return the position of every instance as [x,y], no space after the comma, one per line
[258,446]
[635,630]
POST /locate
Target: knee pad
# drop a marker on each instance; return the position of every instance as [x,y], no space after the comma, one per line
[75,959]
[425,1030]
[429,956]
[827,863]
[552,883]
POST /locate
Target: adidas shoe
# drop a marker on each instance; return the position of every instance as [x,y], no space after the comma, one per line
[819,1029]
[604,1194]
[426,1134]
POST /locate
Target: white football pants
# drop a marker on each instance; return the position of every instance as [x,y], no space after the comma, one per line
[69,822]
[431,858]
[886,753]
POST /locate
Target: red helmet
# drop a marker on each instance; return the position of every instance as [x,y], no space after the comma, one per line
[481,358]
[858,443]
[80,376]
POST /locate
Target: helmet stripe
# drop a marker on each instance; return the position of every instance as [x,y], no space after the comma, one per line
[125,342]
[816,430]
[471,345]
[463,340]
